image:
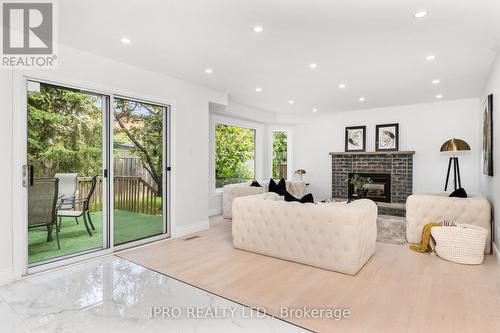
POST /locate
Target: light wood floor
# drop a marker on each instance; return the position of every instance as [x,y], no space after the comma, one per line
[398,290]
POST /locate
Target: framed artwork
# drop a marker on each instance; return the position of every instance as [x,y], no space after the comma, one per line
[387,137]
[487,153]
[355,138]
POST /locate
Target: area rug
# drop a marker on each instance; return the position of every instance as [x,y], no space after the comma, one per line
[391,229]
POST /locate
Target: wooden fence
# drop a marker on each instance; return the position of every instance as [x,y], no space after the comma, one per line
[132,167]
[131,194]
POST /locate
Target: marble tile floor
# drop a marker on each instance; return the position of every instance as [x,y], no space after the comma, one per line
[114,295]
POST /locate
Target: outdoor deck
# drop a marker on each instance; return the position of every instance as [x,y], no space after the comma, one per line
[74,238]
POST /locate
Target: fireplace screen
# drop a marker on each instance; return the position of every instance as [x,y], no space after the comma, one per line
[378,188]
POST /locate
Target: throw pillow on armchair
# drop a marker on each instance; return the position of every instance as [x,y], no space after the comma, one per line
[279,188]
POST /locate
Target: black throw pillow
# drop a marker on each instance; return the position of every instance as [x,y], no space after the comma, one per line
[306,198]
[279,188]
[459,193]
[255,183]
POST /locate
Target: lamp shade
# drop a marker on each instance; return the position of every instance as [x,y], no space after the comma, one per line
[455,145]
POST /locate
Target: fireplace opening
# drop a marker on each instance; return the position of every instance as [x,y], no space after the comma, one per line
[379,189]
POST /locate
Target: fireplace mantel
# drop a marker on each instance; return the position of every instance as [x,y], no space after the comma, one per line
[352,153]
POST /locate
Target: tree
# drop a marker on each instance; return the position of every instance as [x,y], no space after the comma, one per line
[279,152]
[234,151]
[142,124]
[64,132]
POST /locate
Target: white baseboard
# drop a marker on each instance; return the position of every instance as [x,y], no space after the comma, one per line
[183,230]
[215,212]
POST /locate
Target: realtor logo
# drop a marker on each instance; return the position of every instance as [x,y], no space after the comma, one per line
[28,34]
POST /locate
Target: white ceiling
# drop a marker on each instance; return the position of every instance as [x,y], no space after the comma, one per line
[376,47]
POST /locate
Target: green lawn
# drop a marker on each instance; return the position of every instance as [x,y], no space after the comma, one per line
[74,237]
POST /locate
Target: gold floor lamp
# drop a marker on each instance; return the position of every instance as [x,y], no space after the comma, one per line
[453,146]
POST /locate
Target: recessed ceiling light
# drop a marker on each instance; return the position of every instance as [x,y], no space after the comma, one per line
[258,28]
[313,65]
[439,96]
[436,81]
[291,101]
[314,110]
[430,57]
[420,14]
[125,40]
[342,85]
[258,89]
[209,71]
[361,99]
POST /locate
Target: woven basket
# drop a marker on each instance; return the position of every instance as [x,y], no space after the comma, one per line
[463,244]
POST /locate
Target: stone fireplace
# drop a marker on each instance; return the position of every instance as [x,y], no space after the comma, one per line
[391,174]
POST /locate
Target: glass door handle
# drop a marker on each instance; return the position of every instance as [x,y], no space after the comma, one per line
[32,172]
[28,172]
[25,175]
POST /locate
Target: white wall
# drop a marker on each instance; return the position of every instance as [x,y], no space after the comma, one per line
[490,186]
[6,146]
[423,128]
[189,149]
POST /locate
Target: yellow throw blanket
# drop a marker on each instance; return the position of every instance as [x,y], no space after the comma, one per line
[424,245]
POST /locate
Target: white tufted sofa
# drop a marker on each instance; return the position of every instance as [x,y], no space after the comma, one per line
[229,192]
[426,208]
[335,236]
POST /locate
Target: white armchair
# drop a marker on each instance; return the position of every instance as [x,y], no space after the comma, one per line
[426,208]
[230,192]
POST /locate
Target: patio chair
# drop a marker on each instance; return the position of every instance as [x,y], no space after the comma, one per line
[85,212]
[67,190]
[42,206]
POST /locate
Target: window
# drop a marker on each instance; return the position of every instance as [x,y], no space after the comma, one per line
[234,154]
[280,154]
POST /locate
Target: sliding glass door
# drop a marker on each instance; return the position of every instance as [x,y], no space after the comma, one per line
[139,170]
[96,172]
[64,173]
